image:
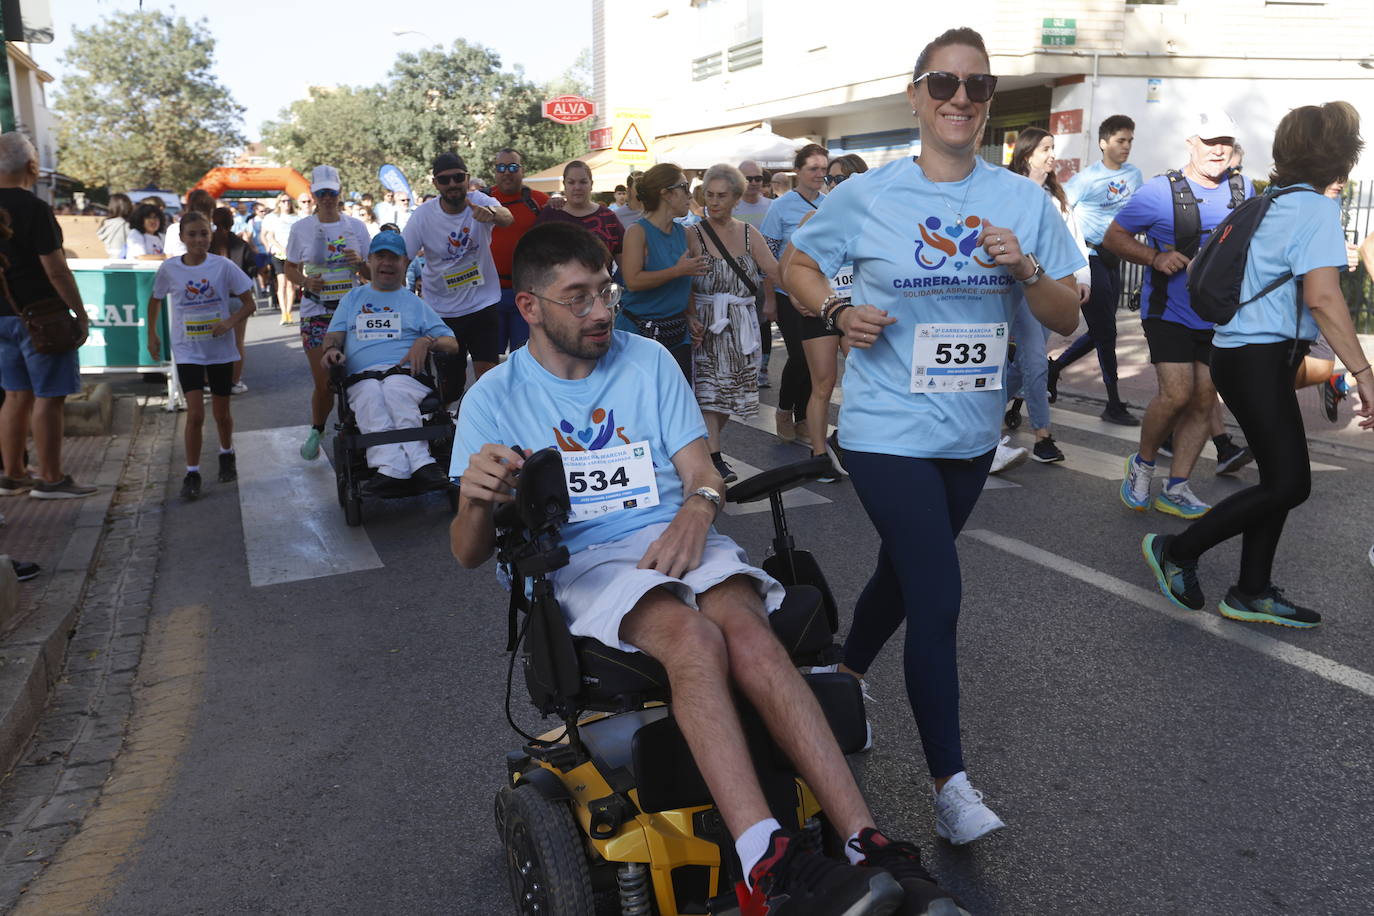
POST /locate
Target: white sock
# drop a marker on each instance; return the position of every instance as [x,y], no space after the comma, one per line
[192,469]
[753,843]
[227,451]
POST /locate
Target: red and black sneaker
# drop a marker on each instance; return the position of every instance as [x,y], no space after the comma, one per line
[903,862]
[791,880]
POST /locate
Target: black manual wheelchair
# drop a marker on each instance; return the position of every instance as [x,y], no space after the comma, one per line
[351,470]
[609,815]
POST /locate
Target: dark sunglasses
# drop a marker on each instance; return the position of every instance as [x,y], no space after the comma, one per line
[508,166]
[832,180]
[754,179]
[942,85]
[459,178]
[685,186]
[326,192]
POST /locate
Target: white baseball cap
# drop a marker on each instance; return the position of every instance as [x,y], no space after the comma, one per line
[1208,125]
[325,178]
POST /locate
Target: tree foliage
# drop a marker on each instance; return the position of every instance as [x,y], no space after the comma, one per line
[140,106]
[435,100]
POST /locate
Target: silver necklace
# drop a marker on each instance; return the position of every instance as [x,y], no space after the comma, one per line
[959,213]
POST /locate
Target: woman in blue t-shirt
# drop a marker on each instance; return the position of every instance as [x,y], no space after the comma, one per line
[1256,356]
[944,246]
[658,270]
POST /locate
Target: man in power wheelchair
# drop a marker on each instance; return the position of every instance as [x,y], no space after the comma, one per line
[644,571]
[378,349]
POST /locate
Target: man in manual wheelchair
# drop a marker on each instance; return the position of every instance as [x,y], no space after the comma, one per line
[379,342]
[645,571]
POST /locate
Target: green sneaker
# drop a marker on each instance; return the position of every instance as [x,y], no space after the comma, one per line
[310,449]
[1270,606]
[1178,582]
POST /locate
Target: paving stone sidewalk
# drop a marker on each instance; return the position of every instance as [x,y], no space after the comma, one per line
[60,775]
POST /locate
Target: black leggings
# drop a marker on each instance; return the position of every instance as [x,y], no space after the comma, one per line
[795,388]
[1256,382]
[1100,313]
[765,332]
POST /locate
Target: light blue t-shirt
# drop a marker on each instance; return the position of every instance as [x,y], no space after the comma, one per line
[417,320]
[912,260]
[1098,193]
[1151,210]
[1300,232]
[782,219]
[636,393]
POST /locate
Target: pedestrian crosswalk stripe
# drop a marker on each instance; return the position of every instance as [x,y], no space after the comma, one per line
[293,528]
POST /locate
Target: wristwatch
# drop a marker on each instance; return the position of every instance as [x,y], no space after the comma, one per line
[1035,274]
[709,494]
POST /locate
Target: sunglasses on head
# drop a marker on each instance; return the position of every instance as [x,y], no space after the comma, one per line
[942,85]
[455,178]
[832,180]
[508,166]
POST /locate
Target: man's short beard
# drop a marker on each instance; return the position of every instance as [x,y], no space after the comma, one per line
[572,343]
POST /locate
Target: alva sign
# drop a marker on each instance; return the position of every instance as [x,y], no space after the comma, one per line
[569,109]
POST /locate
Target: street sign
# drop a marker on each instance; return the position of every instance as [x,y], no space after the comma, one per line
[1056,33]
[569,109]
[631,135]
[599,138]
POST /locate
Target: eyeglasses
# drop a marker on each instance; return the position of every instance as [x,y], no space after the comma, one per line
[303,200]
[832,180]
[582,304]
[454,178]
[326,192]
[942,85]
[508,166]
[680,186]
[754,179]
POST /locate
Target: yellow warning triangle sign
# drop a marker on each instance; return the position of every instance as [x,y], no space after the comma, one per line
[632,142]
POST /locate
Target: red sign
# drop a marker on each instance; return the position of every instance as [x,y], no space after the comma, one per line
[569,109]
[1066,122]
[601,138]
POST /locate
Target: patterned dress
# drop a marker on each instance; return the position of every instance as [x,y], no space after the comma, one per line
[726,363]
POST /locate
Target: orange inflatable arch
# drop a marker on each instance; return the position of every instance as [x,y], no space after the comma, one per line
[218,181]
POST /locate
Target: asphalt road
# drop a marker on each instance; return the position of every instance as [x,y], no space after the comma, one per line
[350,734]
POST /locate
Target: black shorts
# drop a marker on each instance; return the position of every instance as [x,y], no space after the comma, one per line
[193,376]
[1171,342]
[478,334]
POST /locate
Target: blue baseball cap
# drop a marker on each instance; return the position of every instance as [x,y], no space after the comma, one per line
[388,241]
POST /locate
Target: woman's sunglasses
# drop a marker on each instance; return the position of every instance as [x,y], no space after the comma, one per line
[832,180]
[942,85]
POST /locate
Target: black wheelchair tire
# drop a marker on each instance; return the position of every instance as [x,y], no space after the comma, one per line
[1012,419]
[453,499]
[341,472]
[353,511]
[546,862]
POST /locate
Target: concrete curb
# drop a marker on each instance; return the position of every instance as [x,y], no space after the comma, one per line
[31,657]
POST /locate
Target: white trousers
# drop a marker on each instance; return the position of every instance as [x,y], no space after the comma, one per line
[391,403]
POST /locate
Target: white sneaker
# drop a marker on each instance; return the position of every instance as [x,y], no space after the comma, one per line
[868,698]
[1371,556]
[239,388]
[1007,457]
[960,815]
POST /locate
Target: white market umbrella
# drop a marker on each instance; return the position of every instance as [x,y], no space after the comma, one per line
[768,149]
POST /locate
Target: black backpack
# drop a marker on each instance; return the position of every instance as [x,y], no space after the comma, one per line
[1188,232]
[1216,274]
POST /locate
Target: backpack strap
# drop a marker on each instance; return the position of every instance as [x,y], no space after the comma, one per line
[529,200]
[1187,237]
[1237,184]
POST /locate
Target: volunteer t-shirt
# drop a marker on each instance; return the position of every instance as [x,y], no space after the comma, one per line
[1151,210]
[636,394]
[754,213]
[783,217]
[1300,232]
[459,276]
[504,238]
[913,259]
[200,297]
[382,326]
[321,250]
[1098,193]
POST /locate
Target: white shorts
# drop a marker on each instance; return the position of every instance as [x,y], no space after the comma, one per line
[601,584]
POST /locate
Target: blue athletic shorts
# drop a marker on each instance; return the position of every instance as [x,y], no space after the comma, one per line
[22,368]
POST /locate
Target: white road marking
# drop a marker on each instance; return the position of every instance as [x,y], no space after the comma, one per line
[1086,423]
[293,528]
[792,498]
[1204,620]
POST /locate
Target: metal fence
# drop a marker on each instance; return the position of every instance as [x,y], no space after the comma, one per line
[1357,219]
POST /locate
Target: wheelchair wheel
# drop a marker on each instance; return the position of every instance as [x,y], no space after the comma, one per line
[453,499]
[1012,420]
[353,511]
[341,472]
[545,858]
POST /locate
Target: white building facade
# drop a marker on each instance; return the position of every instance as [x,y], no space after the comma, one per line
[836,73]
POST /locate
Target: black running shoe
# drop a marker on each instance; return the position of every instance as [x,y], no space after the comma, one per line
[903,861]
[726,472]
[228,468]
[791,880]
[1270,606]
[1233,457]
[1331,396]
[430,477]
[384,485]
[1046,452]
[1052,382]
[1176,581]
[190,486]
[1118,414]
[24,570]
[1166,448]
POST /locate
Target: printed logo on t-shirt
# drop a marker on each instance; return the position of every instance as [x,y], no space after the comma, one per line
[458,243]
[600,431]
[1118,189]
[198,291]
[940,242]
[334,249]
